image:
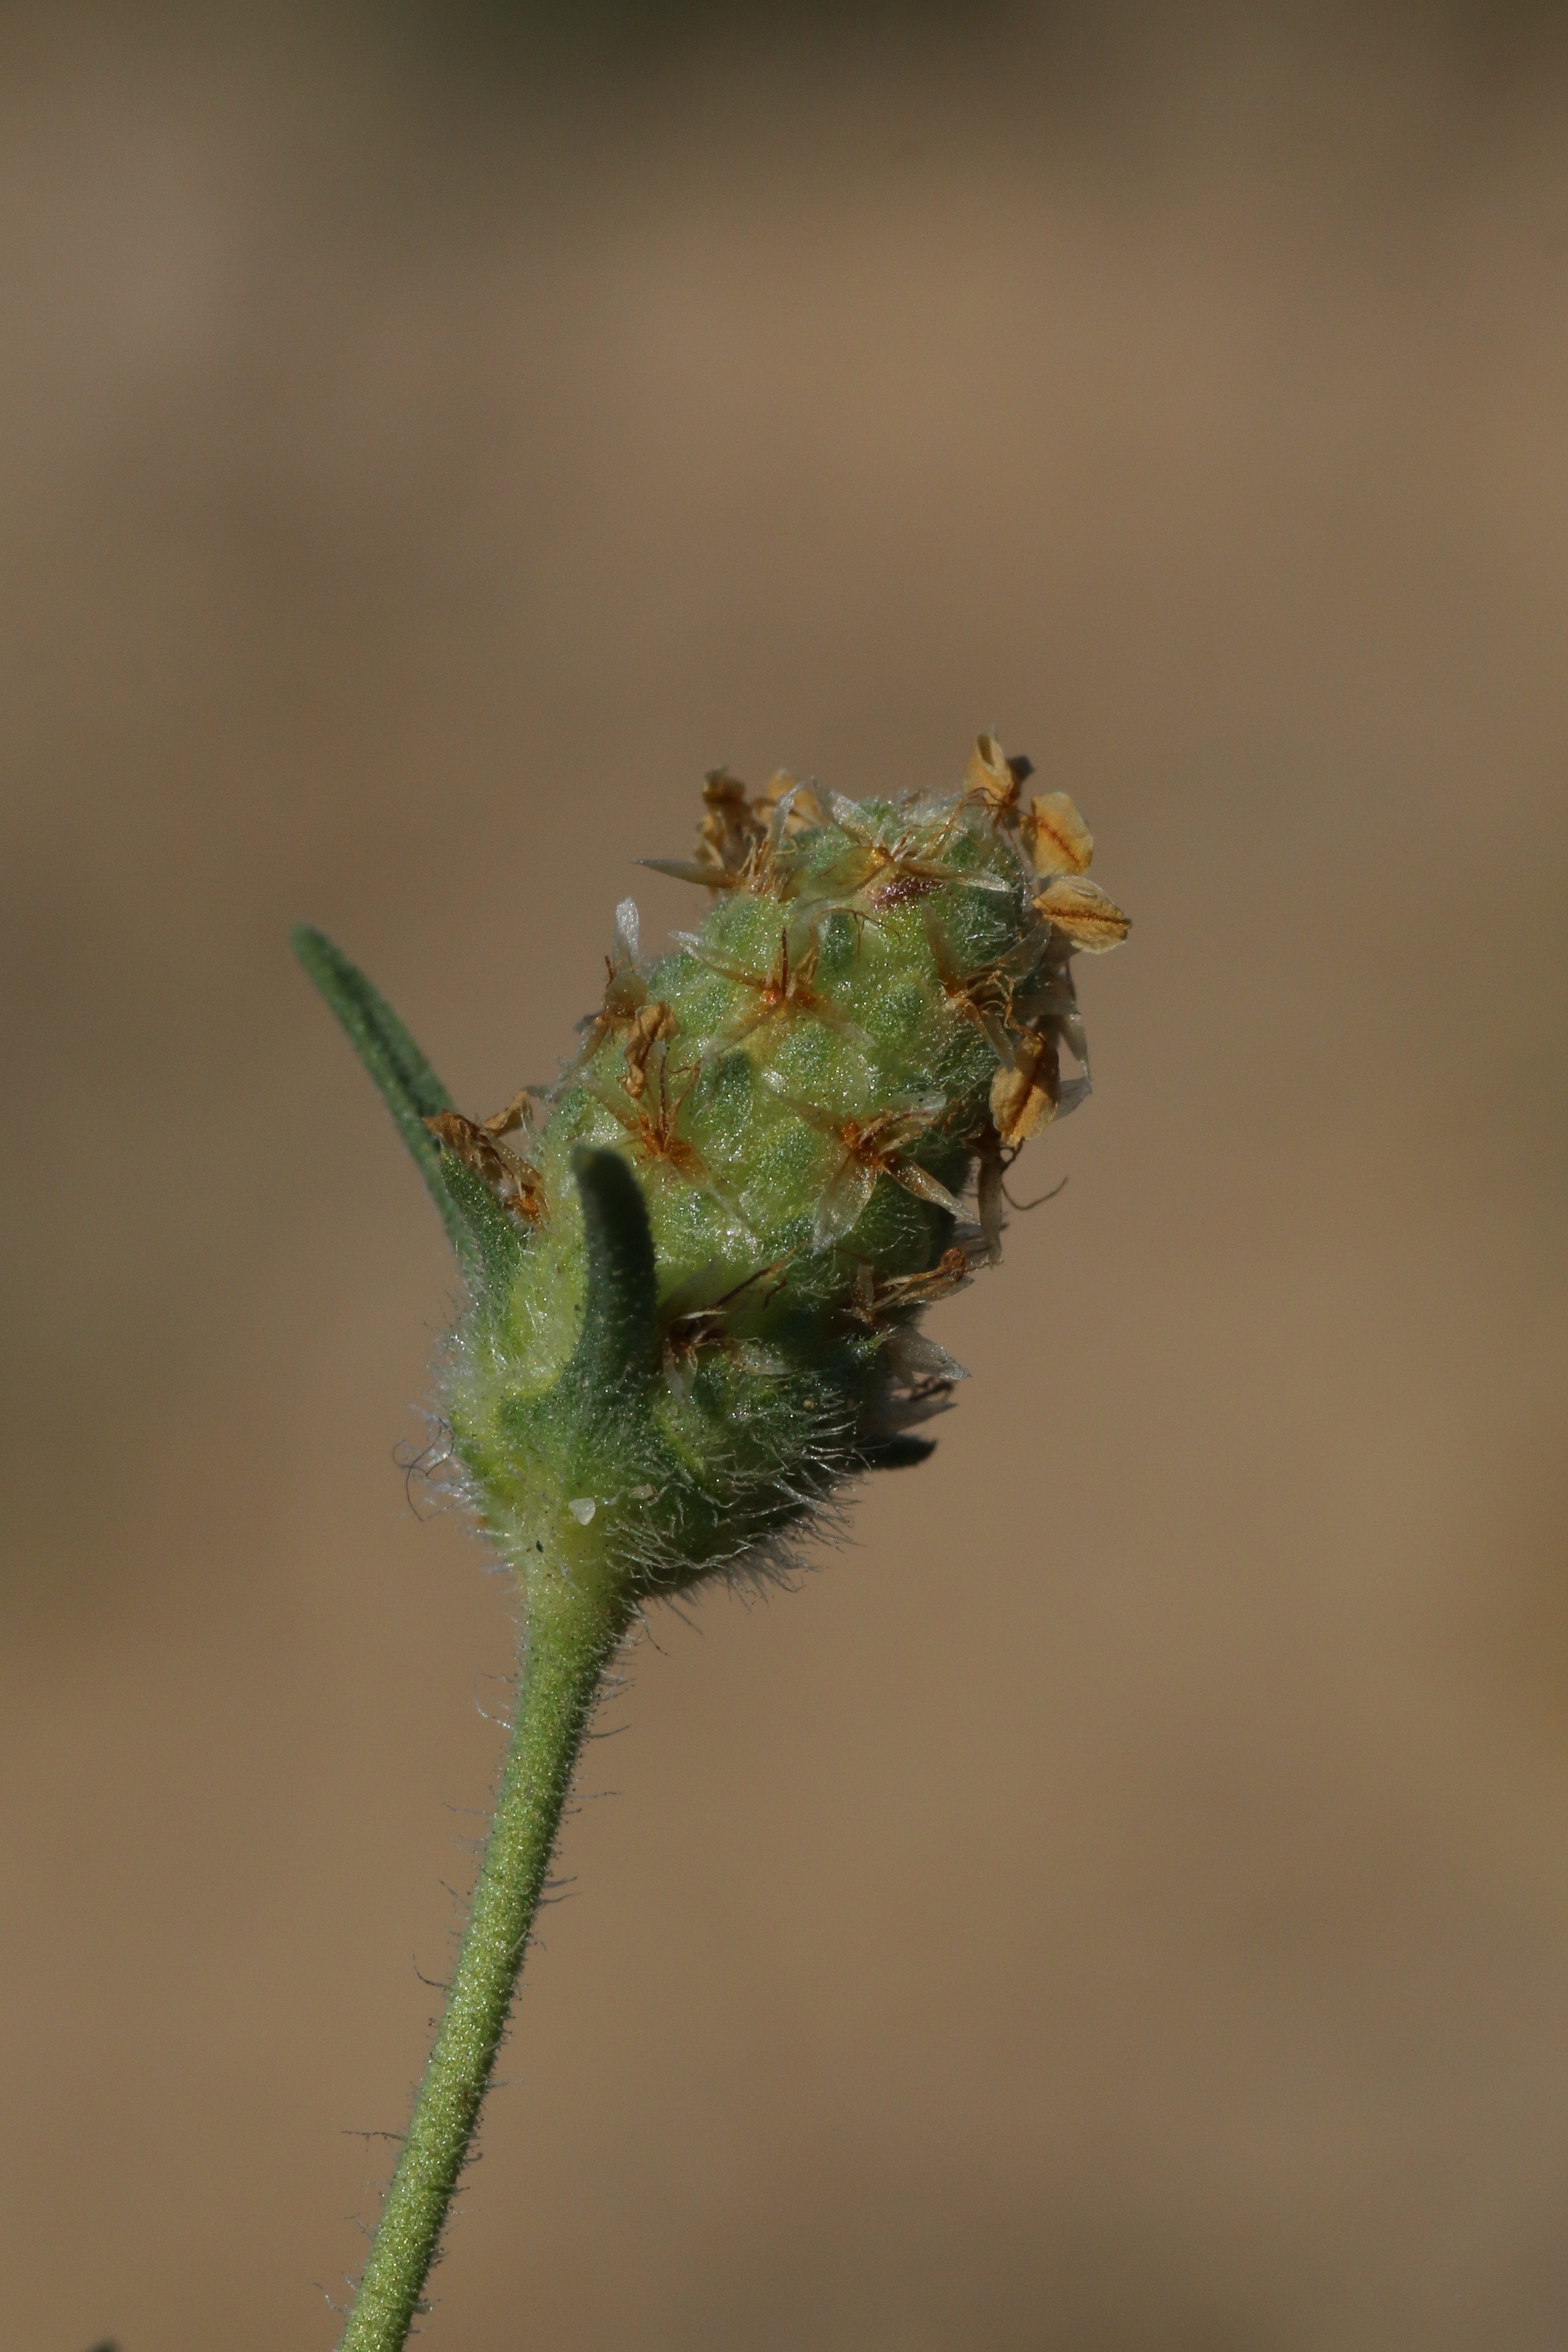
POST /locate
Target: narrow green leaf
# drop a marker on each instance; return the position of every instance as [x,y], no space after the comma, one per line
[618,1310]
[477,1224]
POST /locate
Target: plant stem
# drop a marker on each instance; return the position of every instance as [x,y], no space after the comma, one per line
[573,1631]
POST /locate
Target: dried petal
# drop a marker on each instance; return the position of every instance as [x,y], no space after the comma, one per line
[989,776]
[914,1358]
[729,831]
[844,1196]
[925,1187]
[1056,837]
[803,808]
[651,1024]
[950,1273]
[514,1183]
[1024,1098]
[1082,912]
[519,1112]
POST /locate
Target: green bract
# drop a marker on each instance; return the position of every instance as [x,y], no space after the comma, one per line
[694,1278]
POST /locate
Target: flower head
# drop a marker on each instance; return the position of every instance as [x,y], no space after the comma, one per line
[817,1095]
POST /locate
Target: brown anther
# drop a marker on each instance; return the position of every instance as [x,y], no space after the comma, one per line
[903,888]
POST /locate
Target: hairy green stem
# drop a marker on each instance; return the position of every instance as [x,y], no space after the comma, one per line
[573,1631]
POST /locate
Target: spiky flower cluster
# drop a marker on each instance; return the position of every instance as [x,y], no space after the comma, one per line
[817,1094]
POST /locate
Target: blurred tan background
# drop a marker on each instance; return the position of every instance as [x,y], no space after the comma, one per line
[1121,1903]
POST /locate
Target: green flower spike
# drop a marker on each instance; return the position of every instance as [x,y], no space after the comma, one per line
[696,1265]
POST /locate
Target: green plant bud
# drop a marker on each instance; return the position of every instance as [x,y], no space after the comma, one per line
[697,1263]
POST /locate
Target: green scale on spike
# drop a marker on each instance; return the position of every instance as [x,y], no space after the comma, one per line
[694,1288]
